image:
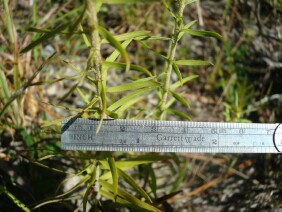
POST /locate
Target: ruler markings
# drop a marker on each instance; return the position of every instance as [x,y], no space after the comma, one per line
[175,136]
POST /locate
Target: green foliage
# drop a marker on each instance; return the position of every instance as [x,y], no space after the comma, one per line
[101,173]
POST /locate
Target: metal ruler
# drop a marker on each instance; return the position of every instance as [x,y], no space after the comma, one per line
[171,136]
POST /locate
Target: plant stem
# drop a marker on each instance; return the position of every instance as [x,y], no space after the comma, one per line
[95,58]
[171,56]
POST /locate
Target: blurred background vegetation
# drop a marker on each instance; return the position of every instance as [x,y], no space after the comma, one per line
[38,89]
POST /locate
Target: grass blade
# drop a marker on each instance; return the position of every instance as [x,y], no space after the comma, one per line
[193,62]
[202,33]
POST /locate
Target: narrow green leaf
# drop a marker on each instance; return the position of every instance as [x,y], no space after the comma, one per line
[128,197]
[116,53]
[128,36]
[187,2]
[169,103]
[49,82]
[46,157]
[81,94]
[56,201]
[38,30]
[202,33]
[167,7]
[79,184]
[91,103]
[77,22]
[177,71]
[152,38]
[112,115]
[9,21]
[126,1]
[85,38]
[134,185]
[179,98]
[89,186]
[190,24]
[193,62]
[112,58]
[119,200]
[63,107]
[48,167]
[112,40]
[129,97]
[153,181]
[63,17]
[124,165]
[186,79]
[4,95]
[180,177]
[68,92]
[123,66]
[73,66]
[45,37]
[187,26]
[180,114]
[133,86]
[114,171]
[56,122]
[152,50]
[128,104]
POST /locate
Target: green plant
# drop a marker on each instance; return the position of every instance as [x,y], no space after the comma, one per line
[99,174]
